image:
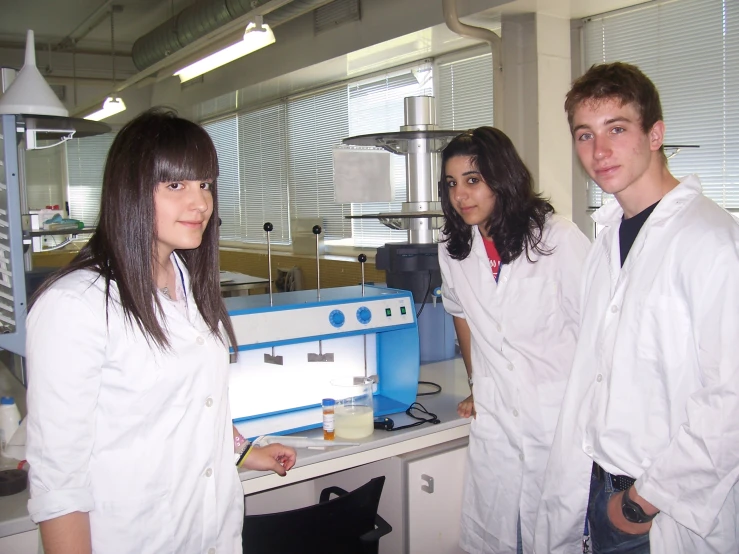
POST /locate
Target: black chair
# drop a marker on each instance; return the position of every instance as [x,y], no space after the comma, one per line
[348,524]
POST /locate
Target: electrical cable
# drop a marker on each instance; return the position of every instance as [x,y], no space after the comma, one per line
[437,390]
[420,420]
[423,304]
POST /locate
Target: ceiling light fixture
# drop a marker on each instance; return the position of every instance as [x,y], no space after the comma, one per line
[112,104]
[257,35]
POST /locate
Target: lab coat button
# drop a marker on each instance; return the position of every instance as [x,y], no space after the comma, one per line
[209,402]
[510,367]
[599,378]
[208,472]
[200,340]
[520,457]
[515,413]
[614,308]
[589,450]
[498,327]
[211,551]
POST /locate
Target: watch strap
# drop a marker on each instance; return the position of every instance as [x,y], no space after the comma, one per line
[633,512]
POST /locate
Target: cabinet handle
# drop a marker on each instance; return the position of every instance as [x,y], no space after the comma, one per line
[430,480]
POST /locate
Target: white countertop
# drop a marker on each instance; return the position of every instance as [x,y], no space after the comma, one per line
[312,463]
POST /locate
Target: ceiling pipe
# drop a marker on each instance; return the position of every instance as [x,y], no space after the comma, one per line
[41,46]
[451,18]
[90,22]
[204,17]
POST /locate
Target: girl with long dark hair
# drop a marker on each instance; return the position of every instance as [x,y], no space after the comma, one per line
[511,273]
[130,438]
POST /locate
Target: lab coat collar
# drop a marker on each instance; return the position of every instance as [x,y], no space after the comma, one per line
[689,187]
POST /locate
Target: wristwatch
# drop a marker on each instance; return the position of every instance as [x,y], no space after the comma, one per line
[633,512]
[469,381]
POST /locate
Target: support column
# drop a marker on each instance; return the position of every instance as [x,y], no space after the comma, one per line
[537,66]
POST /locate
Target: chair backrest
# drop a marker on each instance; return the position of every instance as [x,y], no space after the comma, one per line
[333,526]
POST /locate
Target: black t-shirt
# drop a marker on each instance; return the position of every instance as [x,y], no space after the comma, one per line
[629,229]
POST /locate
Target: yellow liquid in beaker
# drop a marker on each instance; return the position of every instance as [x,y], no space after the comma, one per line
[353,422]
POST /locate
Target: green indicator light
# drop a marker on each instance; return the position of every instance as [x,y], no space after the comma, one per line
[388,312]
[402,310]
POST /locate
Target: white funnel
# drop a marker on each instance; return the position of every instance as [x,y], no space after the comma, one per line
[30,93]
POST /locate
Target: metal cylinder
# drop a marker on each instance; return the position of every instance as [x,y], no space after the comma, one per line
[269,268]
[421,166]
[419,111]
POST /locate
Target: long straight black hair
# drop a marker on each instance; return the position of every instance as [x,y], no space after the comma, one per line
[155,147]
[517,222]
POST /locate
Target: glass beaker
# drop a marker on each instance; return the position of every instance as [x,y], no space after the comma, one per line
[354,410]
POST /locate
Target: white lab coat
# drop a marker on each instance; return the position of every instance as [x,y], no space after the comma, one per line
[654,391]
[139,438]
[524,329]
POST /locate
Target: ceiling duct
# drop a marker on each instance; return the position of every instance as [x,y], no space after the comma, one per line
[201,18]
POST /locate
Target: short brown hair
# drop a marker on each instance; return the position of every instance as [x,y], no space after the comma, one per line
[616,81]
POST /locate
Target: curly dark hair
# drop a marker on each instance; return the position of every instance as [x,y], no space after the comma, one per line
[517,221]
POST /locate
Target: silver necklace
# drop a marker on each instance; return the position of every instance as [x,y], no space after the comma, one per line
[165,292]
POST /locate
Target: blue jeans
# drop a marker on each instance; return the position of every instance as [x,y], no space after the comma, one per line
[604,537]
[519,547]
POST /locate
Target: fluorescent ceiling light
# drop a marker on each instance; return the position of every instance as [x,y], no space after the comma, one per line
[111,106]
[257,35]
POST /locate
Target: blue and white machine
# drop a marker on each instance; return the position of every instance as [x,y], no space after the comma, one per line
[367,332]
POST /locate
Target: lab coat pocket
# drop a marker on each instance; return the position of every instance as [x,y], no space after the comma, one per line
[663,333]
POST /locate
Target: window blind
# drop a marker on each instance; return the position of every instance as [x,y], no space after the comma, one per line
[465,93]
[315,124]
[85,165]
[690,49]
[263,170]
[377,106]
[224,104]
[276,162]
[223,132]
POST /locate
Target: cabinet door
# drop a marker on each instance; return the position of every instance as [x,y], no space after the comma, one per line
[22,543]
[435,502]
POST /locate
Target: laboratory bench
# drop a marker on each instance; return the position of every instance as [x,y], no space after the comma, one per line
[437,449]
[423,466]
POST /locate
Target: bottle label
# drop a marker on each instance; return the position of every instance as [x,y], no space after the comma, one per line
[328,422]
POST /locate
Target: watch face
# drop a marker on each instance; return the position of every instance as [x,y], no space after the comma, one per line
[631,514]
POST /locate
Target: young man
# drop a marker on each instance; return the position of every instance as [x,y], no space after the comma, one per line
[649,428]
